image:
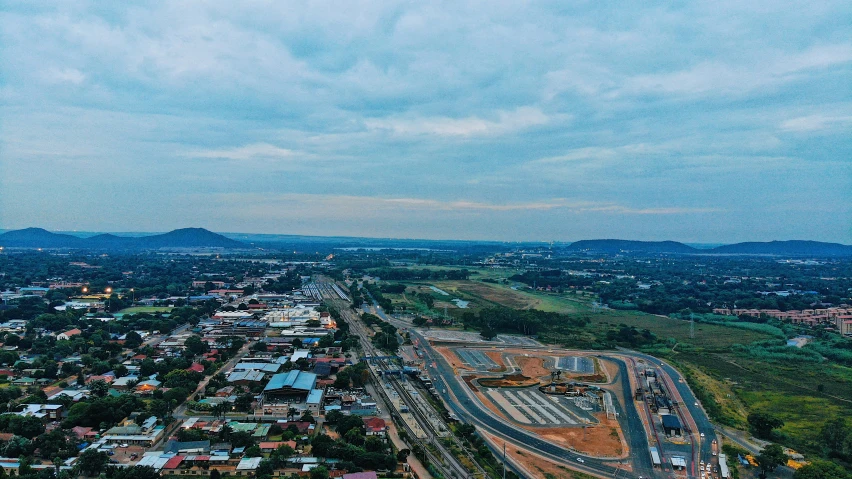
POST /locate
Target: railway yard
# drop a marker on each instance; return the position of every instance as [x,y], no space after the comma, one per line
[600,413]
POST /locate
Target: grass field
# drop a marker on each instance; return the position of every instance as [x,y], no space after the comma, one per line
[145,309]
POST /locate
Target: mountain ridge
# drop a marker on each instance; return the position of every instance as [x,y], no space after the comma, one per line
[179,238]
[203,238]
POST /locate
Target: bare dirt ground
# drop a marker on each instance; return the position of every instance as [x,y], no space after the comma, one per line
[533,367]
[603,440]
[509,380]
[497,357]
[536,466]
[451,358]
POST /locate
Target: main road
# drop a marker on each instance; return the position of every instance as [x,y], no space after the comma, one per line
[469,409]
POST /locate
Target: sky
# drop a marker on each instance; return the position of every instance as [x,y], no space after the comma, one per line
[692,121]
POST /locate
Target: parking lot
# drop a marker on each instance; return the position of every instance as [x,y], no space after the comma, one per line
[476,359]
[530,406]
[577,364]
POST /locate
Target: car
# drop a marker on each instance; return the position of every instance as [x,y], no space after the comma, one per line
[580,459]
[696,404]
[124,445]
[702,434]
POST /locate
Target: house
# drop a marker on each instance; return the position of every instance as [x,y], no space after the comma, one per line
[146,435]
[68,334]
[104,378]
[48,412]
[244,378]
[84,433]
[196,368]
[375,426]
[147,387]
[269,446]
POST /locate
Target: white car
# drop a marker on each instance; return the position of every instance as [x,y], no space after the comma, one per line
[123,445]
[580,459]
[702,434]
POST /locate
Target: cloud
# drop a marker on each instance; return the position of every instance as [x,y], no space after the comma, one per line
[505,122]
[815,123]
[262,151]
[722,77]
[65,75]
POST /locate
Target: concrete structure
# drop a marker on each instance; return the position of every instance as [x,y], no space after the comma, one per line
[671,425]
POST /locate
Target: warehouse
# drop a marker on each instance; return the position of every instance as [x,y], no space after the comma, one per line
[671,424]
[293,383]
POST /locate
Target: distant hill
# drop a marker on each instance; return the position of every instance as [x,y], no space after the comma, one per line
[626,246]
[791,248]
[39,238]
[772,248]
[180,238]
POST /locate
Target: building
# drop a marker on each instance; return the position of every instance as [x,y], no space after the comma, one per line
[68,334]
[293,383]
[671,425]
[314,401]
[375,426]
[46,412]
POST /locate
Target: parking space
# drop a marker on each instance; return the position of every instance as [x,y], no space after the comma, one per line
[577,364]
[530,406]
[476,359]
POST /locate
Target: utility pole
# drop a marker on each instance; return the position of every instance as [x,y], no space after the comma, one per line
[504,460]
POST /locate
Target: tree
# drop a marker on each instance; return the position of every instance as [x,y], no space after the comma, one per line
[134,472]
[834,435]
[99,388]
[769,458]
[244,402]
[763,423]
[253,451]
[487,333]
[402,455]
[319,472]
[195,345]
[821,470]
[91,462]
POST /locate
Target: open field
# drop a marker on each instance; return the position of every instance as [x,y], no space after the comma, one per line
[145,309]
[791,392]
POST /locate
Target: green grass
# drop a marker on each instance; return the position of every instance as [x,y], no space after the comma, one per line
[789,391]
[145,309]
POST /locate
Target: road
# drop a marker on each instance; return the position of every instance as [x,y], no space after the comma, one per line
[468,408]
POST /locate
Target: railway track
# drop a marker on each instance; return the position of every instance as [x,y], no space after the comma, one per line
[446,463]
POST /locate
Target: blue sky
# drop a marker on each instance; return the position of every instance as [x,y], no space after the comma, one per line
[716,122]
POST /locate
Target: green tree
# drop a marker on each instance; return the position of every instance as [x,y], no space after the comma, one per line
[319,472]
[821,470]
[762,424]
[91,462]
[99,388]
[834,434]
[770,458]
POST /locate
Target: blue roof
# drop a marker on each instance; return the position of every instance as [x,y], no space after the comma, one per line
[294,379]
[315,396]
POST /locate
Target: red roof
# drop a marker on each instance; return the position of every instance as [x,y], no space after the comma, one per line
[173,463]
[374,424]
[196,368]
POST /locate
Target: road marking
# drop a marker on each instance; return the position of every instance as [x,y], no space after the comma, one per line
[520,404]
[502,402]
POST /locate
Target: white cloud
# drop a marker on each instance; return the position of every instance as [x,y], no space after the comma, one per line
[249,152]
[815,123]
[506,122]
[723,77]
[65,75]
